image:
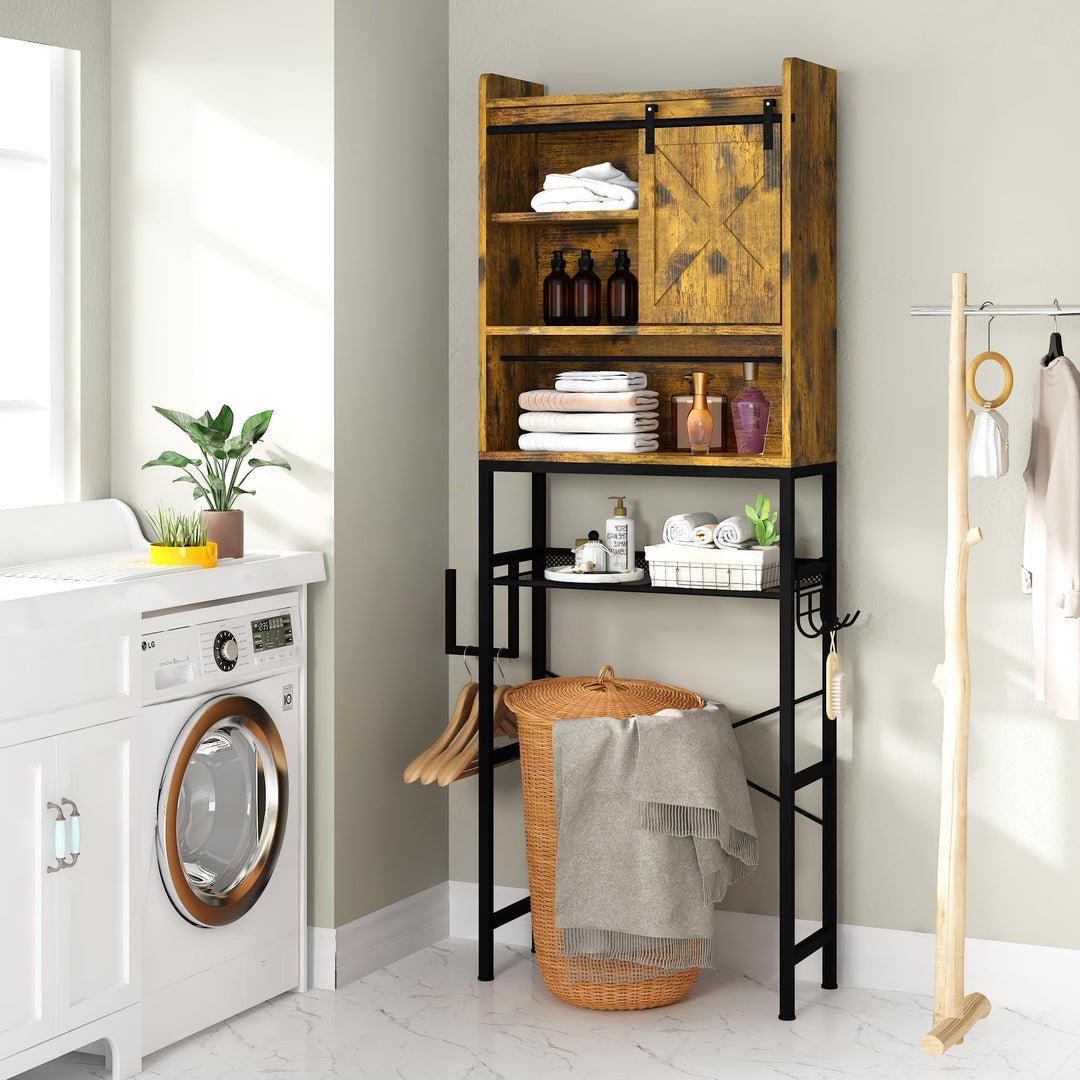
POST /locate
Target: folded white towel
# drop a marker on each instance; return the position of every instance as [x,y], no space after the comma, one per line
[703,535]
[597,423]
[679,529]
[735,532]
[606,382]
[595,187]
[557,401]
[563,442]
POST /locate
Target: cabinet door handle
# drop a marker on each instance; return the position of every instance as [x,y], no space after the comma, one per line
[74,830]
[61,845]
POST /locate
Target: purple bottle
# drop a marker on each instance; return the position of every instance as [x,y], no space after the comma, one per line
[750,413]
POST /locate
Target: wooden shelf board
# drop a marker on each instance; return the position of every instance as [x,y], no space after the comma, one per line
[647,461]
[643,96]
[574,217]
[650,330]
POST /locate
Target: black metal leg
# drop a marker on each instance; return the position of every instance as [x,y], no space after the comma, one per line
[486,815]
[787,747]
[828,741]
[539,542]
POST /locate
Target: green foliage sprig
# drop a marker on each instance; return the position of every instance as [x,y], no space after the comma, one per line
[174,529]
[764,525]
[216,476]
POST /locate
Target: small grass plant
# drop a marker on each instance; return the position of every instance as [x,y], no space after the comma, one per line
[175,529]
[764,525]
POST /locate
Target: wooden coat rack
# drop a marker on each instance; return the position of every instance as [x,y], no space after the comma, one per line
[954,1013]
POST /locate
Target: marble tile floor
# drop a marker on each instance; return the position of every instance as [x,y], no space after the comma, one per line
[427,1017]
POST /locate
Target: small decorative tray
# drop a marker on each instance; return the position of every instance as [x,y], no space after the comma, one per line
[593,577]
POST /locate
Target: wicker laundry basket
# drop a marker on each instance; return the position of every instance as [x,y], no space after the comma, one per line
[537,706]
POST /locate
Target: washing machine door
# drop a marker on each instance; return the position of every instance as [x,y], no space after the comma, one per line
[221,811]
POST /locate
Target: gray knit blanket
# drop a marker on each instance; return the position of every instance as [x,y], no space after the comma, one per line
[654,824]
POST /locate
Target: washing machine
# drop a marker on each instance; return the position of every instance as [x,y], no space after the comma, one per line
[222,798]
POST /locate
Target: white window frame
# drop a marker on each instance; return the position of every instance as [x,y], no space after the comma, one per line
[58,280]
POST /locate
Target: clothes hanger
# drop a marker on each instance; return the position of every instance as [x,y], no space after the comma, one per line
[1055,349]
[465,760]
[462,707]
[466,702]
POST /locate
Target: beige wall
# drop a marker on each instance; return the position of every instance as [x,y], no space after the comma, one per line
[83,25]
[955,154]
[390,434]
[223,249]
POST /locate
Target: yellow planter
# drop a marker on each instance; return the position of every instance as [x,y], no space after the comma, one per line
[205,556]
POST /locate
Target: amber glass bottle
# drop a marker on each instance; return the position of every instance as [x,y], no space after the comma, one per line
[558,293]
[622,302]
[586,292]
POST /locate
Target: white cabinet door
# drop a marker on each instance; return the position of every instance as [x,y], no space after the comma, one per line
[27,895]
[97,969]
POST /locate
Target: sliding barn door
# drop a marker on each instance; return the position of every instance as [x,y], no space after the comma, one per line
[710,226]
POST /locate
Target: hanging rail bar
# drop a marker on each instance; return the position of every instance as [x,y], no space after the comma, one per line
[1000,309]
[513,614]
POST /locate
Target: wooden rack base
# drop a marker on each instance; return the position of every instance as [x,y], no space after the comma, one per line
[952,1029]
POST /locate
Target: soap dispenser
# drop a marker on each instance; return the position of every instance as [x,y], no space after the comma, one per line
[620,538]
[622,292]
[586,292]
[558,293]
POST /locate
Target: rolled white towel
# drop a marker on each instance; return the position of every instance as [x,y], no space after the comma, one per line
[566,443]
[592,382]
[735,532]
[703,535]
[594,423]
[558,401]
[679,529]
[595,187]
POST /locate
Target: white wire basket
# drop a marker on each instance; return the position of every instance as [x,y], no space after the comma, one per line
[675,566]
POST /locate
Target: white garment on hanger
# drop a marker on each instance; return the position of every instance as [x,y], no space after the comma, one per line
[1051,569]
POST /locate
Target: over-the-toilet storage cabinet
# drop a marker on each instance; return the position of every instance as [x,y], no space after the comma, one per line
[68,952]
[734,247]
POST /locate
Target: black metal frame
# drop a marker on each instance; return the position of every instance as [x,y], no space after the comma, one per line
[807,589]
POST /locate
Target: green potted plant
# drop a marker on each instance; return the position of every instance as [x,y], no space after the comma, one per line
[216,476]
[181,539]
[758,567]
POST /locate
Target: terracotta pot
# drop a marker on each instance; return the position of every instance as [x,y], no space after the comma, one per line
[226,529]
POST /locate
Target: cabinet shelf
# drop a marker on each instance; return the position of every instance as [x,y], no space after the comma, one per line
[733,464]
[529,580]
[563,217]
[642,330]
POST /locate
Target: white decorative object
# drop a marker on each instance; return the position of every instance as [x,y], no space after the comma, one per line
[569,576]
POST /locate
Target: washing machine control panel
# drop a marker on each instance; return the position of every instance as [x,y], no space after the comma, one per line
[186,659]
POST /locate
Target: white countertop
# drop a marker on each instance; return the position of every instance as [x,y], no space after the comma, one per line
[29,604]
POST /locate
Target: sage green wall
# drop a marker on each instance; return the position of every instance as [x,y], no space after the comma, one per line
[83,25]
[390,435]
[955,153]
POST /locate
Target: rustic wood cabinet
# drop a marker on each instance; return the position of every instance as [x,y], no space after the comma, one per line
[733,244]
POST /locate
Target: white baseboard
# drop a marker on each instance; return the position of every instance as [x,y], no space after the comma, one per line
[1031,976]
[366,944]
[465,913]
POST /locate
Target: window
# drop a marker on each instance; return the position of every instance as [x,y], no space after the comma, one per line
[32,303]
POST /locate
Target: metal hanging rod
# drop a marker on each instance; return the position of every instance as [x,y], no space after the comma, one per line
[1001,309]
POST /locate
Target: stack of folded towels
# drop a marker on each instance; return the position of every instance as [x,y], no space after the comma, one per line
[591,412]
[596,187]
[706,530]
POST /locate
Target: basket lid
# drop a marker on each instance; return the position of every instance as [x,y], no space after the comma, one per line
[581,696]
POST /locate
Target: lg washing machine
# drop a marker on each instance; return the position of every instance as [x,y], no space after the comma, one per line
[222,807]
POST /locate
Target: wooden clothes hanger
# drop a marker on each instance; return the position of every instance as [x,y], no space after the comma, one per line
[463,755]
[465,701]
